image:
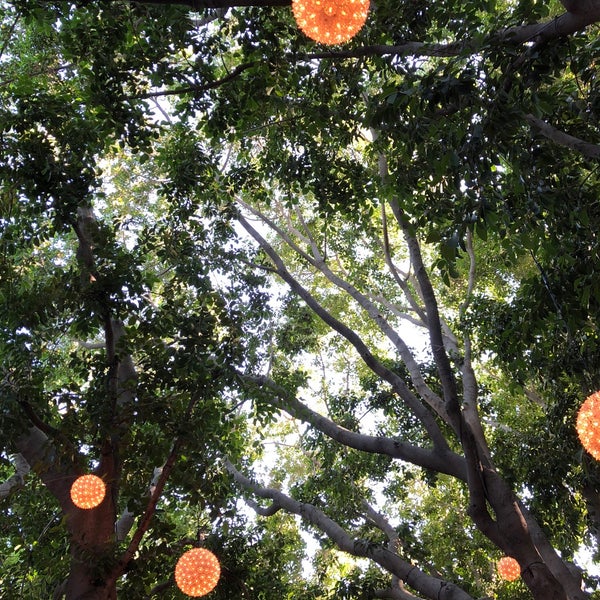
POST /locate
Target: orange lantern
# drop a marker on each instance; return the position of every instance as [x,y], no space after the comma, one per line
[197,572]
[588,425]
[330,21]
[88,491]
[509,569]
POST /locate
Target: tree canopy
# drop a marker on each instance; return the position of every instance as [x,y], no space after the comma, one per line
[327,311]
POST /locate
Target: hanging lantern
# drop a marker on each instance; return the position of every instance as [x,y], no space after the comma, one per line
[330,21]
[88,491]
[588,425]
[509,569]
[197,572]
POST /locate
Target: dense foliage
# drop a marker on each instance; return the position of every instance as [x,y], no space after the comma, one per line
[328,311]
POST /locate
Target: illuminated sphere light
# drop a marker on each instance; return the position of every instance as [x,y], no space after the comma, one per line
[330,21]
[588,425]
[197,572]
[509,569]
[88,491]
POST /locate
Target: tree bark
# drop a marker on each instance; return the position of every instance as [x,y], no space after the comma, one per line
[561,138]
[442,460]
[15,481]
[428,586]
[90,531]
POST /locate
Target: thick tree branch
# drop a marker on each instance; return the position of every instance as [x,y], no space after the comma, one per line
[561,26]
[382,523]
[428,586]
[567,573]
[398,278]
[561,138]
[420,411]
[433,318]
[442,461]
[395,593]
[486,487]
[580,14]
[394,544]
[448,336]
[150,509]
[318,262]
[38,450]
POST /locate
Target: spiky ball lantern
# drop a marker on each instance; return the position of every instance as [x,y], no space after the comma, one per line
[197,572]
[330,21]
[588,425]
[509,569]
[88,491]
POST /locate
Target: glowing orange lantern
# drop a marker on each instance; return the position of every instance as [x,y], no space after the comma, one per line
[588,425]
[330,21]
[509,569]
[88,491]
[197,572]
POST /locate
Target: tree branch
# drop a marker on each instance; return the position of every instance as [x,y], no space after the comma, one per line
[394,544]
[433,319]
[469,381]
[443,461]
[38,450]
[430,587]
[561,138]
[125,522]
[17,480]
[580,14]
[400,281]
[195,89]
[395,593]
[566,24]
[420,411]
[319,263]
[146,518]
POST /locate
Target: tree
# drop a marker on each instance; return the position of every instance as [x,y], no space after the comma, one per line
[426,194]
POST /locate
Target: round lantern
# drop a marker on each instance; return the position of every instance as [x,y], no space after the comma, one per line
[509,569]
[88,491]
[197,572]
[588,425]
[330,21]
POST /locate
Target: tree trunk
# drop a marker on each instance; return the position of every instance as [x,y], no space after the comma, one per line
[92,554]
